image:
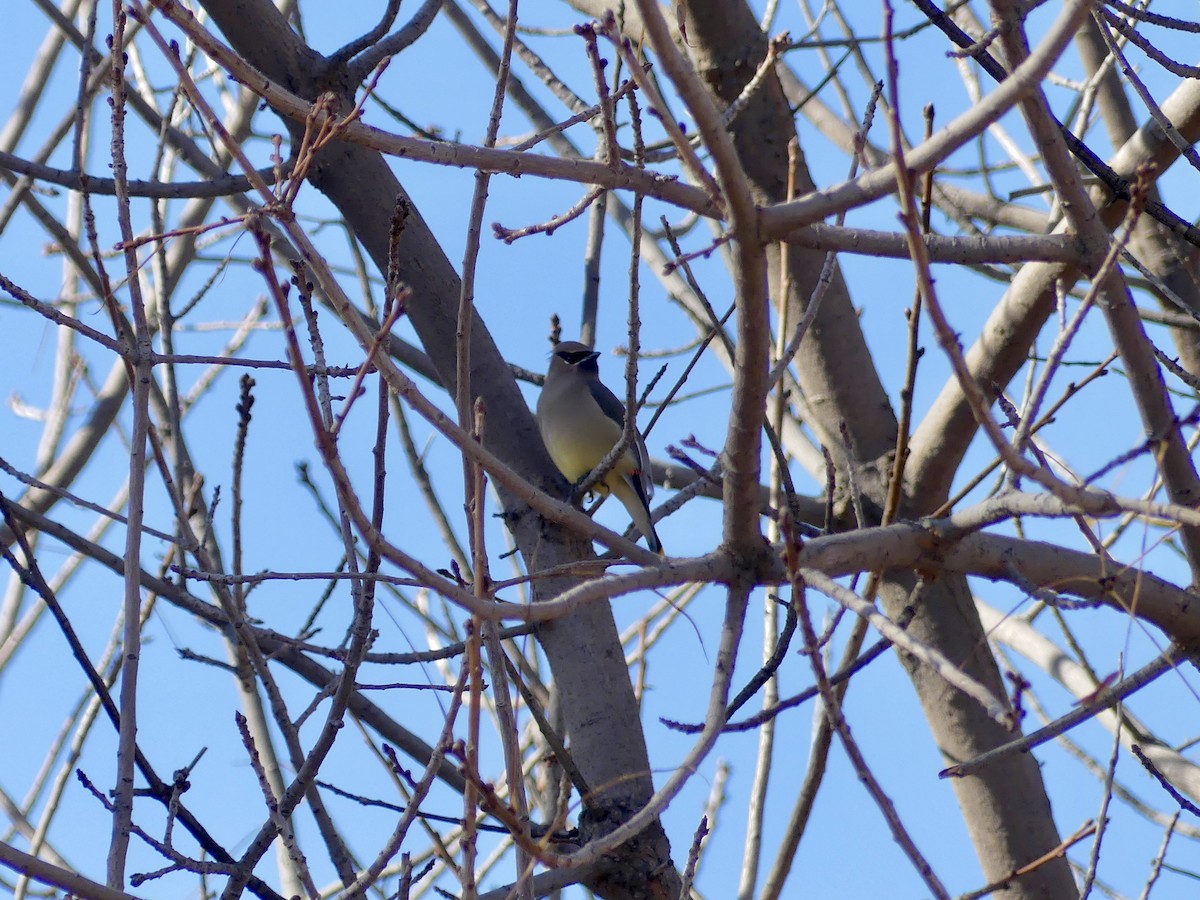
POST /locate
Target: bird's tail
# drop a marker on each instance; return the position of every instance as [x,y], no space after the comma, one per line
[628,490]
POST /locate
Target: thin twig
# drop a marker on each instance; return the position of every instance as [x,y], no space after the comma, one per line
[1102,701]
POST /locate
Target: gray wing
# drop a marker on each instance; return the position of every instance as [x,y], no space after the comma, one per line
[615,410]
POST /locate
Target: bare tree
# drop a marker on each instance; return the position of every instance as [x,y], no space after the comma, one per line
[1002,412]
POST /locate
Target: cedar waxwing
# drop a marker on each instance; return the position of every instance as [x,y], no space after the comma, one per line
[581,421]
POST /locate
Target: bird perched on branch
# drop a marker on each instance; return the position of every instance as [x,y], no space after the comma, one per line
[581,421]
